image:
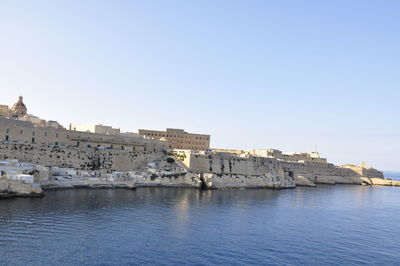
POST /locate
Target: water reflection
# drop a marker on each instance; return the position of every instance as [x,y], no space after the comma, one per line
[342,224]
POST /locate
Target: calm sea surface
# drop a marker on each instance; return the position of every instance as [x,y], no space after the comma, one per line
[392,174]
[328,225]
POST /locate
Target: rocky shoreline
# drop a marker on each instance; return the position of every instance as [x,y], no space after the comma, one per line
[9,189]
[32,180]
[381,182]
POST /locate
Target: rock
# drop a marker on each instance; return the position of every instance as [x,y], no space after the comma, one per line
[10,188]
[237,181]
[303,182]
[381,181]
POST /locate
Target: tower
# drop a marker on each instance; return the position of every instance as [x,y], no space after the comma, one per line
[19,109]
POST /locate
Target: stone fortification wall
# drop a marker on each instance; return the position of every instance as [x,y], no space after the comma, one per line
[218,181]
[326,173]
[314,171]
[77,158]
[223,163]
[231,170]
[371,173]
[318,169]
[23,131]
[224,170]
[277,154]
[17,189]
[363,170]
[216,170]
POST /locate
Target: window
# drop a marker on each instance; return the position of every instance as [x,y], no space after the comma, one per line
[45,134]
[7,130]
[33,133]
[57,135]
[20,132]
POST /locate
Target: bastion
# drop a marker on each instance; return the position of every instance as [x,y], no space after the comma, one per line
[236,169]
[74,167]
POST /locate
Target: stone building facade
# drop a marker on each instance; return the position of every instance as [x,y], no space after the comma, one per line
[4,111]
[19,111]
[277,154]
[179,139]
[19,127]
[19,108]
[23,131]
[16,111]
[96,128]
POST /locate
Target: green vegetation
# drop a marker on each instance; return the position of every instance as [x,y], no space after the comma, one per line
[170,160]
[153,176]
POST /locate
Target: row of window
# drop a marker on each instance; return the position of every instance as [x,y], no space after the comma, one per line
[7,138]
[33,133]
[190,143]
[174,136]
[36,136]
[187,148]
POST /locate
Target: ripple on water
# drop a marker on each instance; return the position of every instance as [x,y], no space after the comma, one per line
[327,225]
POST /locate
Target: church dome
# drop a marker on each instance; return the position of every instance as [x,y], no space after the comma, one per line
[19,108]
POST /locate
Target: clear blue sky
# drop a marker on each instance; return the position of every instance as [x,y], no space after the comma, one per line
[254,74]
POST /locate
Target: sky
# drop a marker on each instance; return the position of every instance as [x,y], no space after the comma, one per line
[292,75]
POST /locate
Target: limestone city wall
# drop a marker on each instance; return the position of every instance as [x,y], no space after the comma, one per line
[78,158]
[220,164]
[224,170]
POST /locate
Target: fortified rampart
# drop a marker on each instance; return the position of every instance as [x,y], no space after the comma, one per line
[277,154]
[77,157]
[12,130]
[217,170]
[222,164]
[226,170]
[363,170]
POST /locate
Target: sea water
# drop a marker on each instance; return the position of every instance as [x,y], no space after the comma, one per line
[327,225]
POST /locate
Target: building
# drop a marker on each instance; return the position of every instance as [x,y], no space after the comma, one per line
[19,109]
[12,130]
[179,139]
[5,111]
[38,122]
[277,154]
[19,127]
[93,128]
[19,112]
